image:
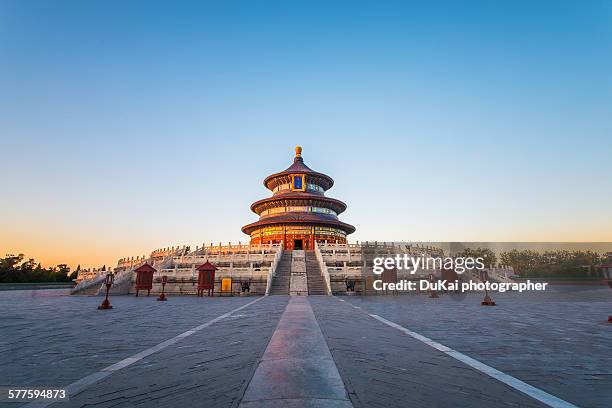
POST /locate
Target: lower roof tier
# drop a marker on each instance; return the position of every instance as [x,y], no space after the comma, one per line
[298,199]
[299,218]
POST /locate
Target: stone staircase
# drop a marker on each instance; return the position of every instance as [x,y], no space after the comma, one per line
[88,287]
[280,282]
[316,285]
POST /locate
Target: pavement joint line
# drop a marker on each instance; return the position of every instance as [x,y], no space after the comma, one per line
[507,379]
[81,384]
[246,384]
[352,305]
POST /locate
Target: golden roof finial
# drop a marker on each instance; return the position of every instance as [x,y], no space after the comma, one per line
[298,151]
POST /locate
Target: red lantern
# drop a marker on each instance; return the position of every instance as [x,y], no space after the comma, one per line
[206,278]
[144,278]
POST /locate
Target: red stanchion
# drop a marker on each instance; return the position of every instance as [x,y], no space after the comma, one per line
[432,293]
[609,281]
[162,296]
[108,282]
[487,301]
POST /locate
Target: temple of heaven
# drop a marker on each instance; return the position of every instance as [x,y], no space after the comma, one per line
[298,213]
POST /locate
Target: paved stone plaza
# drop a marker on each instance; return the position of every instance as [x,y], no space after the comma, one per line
[308,351]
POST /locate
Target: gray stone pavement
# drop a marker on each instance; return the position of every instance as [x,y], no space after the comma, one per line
[383,367]
[558,340]
[209,369]
[52,339]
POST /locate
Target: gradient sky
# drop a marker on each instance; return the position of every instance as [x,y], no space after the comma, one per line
[127,126]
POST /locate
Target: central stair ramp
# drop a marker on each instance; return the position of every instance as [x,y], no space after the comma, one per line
[282,277]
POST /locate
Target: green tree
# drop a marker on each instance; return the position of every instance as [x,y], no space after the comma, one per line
[13,269]
[488,256]
[556,263]
[61,275]
[74,274]
[521,261]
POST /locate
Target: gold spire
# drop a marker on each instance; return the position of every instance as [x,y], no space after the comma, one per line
[298,151]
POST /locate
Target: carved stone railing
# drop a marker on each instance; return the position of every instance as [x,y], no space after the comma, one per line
[88,284]
[224,257]
[501,274]
[272,271]
[121,284]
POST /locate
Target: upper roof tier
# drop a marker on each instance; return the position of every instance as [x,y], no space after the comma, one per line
[298,167]
[296,199]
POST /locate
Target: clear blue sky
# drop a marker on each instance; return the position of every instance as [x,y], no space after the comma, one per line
[127,126]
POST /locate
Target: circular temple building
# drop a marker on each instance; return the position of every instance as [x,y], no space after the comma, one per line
[298,213]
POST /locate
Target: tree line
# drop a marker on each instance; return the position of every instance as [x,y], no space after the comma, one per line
[560,263]
[13,269]
[533,264]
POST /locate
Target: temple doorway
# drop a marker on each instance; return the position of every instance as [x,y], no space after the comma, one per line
[298,244]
